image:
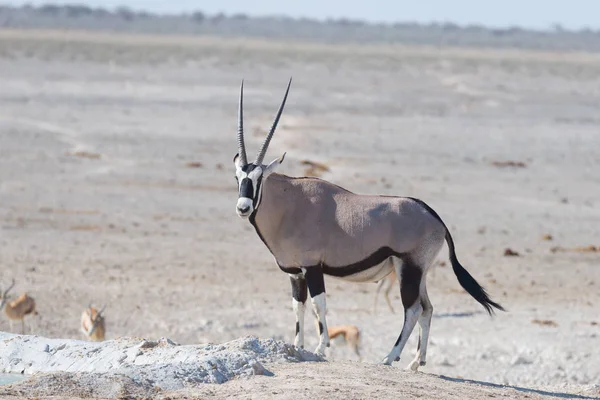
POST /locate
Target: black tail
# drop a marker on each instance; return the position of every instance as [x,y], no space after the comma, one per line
[464,277]
[468,282]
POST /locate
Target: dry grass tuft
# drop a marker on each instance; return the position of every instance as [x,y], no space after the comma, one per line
[85,228]
[511,253]
[510,164]
[585,249]
[544,322]
[86,154]
[314,168]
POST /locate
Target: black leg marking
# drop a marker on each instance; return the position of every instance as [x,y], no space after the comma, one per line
[299,288]
[320,328]
[315,281]
[398,341]
[297,328]
[410,283]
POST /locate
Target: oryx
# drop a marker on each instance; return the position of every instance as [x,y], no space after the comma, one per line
[313,227]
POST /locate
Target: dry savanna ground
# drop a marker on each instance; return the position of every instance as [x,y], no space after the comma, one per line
[117,187]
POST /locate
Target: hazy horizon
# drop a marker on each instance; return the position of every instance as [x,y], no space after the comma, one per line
[534,14]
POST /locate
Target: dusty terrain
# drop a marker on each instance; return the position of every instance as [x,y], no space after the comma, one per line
[117,187]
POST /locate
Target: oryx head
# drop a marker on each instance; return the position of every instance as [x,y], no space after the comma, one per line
[250,176]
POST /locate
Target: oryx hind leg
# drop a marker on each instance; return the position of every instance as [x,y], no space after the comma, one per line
[316,288]
[424,327]
[299,295]
[410,275]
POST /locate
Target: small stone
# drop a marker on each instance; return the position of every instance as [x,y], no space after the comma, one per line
[520,360]
[257,368]
[148,344]
[163,341]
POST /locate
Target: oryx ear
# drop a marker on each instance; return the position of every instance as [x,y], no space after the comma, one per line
[273,165]
[236,161]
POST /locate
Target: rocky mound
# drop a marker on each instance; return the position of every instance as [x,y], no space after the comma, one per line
[136,364]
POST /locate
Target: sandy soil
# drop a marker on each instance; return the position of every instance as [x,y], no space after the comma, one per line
[116,186]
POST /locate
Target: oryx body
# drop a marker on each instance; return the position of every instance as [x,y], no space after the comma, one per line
[313,227]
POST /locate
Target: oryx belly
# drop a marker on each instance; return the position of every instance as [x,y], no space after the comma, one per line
[373,274]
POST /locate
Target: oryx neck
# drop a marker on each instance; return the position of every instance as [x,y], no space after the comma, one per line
[273,204]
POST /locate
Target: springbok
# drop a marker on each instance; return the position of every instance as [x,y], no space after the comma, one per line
[313,227]
[17,309]
[93,324]
[350,333]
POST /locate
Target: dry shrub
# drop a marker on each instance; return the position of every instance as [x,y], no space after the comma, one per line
[193,164]
[544,322]
[512,164]
[585,249]
[547,237]
[511,253]
[314,168]
[86,154]
[85,228]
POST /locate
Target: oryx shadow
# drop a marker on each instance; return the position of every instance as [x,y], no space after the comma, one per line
[520,389]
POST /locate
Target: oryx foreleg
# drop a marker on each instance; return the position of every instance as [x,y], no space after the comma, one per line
[298,304]
[316,287]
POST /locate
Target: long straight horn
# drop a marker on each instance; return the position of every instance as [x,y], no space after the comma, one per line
[241,145]
[265,145]
[12,285]
[4,299]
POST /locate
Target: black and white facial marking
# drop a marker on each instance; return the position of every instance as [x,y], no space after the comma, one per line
[249,178]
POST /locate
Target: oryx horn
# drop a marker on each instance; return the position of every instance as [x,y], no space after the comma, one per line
[241,145]
[265,145]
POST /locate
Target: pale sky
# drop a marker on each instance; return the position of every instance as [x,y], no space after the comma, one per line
[537,14]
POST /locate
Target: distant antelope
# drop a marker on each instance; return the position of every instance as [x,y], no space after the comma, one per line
[388,283]
[16,310]
[313,227]
[350,333]
[93,324]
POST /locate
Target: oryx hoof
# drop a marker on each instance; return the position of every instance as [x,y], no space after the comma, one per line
[386,361]
[320,350]
[415,364]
